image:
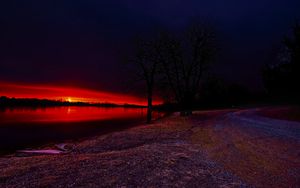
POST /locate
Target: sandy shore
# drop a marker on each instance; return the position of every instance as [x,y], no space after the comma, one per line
[225,148]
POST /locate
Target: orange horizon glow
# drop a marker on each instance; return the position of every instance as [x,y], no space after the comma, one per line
[69,94]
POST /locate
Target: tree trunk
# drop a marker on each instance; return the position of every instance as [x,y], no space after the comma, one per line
[187,105]
[149,108]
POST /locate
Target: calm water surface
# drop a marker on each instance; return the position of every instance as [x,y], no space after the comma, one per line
[28,127]
[68,114]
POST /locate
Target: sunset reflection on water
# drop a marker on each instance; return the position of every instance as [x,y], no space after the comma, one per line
[69,114]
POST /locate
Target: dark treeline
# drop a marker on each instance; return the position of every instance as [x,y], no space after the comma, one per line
[282,74]
[176,67]
[216,94]
[173,65]
[14,102]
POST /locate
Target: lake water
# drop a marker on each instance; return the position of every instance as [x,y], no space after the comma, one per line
[25,127]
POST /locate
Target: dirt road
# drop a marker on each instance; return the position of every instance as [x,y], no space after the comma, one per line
[273,127]
[264,152]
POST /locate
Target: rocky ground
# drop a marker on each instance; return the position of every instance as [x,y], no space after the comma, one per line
[225,148]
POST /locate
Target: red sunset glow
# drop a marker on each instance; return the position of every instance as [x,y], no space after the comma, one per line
[70,94]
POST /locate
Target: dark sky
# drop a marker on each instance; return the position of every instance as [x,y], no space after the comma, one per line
[80,43]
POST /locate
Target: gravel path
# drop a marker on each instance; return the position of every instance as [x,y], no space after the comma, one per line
[263,152]
[280,128]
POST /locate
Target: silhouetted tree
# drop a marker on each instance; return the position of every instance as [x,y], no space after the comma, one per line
[280,76]
[293,51]
[145,65]
[183,61]
[176,62]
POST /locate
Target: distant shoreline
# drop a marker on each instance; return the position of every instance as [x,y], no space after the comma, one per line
[6,102]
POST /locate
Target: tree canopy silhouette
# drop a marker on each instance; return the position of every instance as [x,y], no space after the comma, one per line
[281,76]
[184,60]
[145,63]
[175,63]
